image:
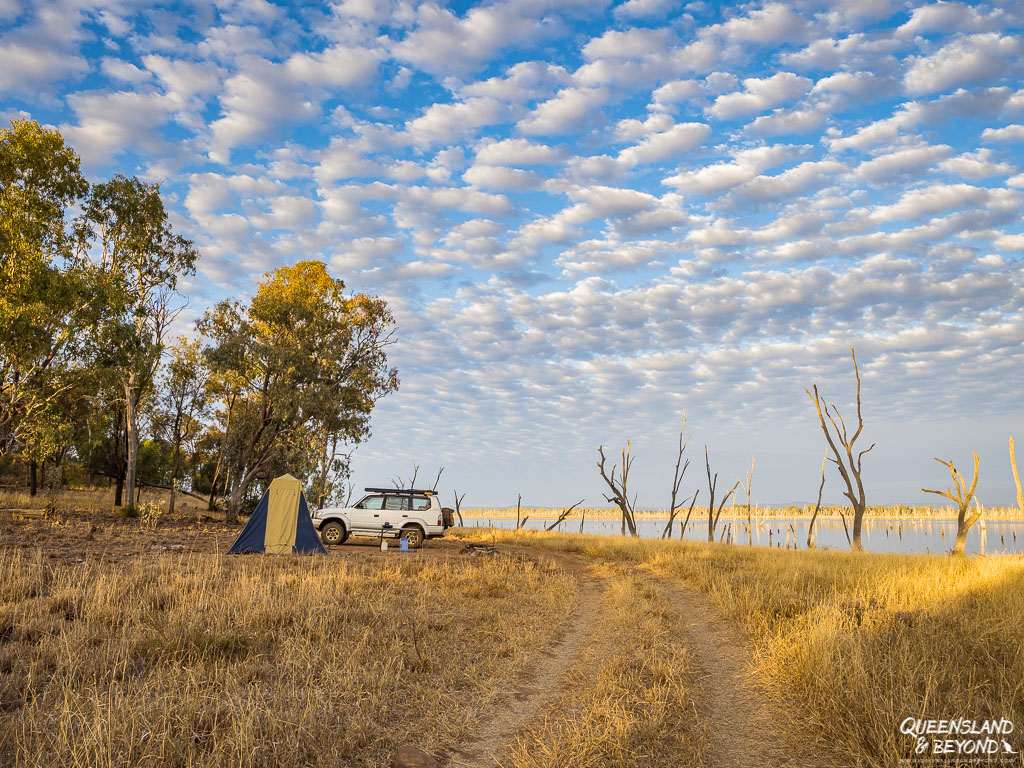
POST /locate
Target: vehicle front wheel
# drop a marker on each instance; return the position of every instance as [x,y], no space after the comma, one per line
[333,533]
[414,535]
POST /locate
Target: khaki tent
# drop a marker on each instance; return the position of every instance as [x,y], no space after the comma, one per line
[280,523]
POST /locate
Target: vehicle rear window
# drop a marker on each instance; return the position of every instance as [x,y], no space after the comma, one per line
[396,502]
[419,503]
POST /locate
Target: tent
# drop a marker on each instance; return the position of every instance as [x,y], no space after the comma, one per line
[280,523]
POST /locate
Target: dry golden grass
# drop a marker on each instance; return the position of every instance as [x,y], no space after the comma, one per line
[91,500]
[207,660]
[627,704]
[854,643]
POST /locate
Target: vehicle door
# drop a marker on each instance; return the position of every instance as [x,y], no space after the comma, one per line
[396,510]
[366,516]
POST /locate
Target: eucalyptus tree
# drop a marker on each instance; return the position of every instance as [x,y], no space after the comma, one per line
[44,290]
[139,258]
[182,404]
[305,363]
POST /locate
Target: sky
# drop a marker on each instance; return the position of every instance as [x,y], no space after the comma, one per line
[591,216]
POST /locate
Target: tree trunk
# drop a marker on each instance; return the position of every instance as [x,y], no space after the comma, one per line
[131,393]
[961,540]
[119,490]
[237,495]
[174,474]
[858,519]
[33,479]
[42,473]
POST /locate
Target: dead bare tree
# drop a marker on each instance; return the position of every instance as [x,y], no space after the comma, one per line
[962,497]
[617,482]
[712,485]
[458,505]
[817,507]
[677,480]
[750,480]
[848,466]
[399,481]
[564,514]
[437,479]
[1016,478]
[682,528]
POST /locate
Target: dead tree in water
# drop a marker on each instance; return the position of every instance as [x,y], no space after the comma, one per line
[712,485]
[458,505]
[1016,478]
[750,480]
[693,500]
[677,480]
[963,499]
[848,466]
[817,507]
[618,486]
[564,514]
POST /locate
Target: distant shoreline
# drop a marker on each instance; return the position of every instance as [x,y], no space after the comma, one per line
[894,513]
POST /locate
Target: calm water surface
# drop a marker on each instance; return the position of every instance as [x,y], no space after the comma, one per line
[877,535]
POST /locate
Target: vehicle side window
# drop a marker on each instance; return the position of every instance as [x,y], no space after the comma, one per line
[420,503]
[396,502]
[371,502]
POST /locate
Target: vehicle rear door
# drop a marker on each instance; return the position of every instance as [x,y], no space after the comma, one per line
[396,510]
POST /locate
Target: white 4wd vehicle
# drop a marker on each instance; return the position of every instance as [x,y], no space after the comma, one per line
[392,513]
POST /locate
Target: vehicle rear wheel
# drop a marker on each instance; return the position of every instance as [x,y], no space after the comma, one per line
[414,534]
[333,533]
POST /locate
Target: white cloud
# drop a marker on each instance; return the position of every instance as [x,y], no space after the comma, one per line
[339,66]
[521,82]
[517,152]
[787,121]
[446,123]
[772,23]
[1006,133]
[30,67]
[632,43]
[980,164]
[807,176]
[930,201]
[967,61]
[499,177]
[632,129]
[747,164]
[947,17]
[910,161]
[637,9]
[658,146]
[443,44]
[759,94]
[565,111]
[669,95]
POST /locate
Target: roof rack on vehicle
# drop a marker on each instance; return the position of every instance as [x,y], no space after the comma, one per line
[401,490]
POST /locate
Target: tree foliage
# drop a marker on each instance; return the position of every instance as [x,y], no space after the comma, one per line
[44,291]
[305,362]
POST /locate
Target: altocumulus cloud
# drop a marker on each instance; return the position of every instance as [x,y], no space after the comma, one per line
[590,215]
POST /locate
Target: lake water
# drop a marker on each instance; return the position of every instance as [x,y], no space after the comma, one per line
[877,535]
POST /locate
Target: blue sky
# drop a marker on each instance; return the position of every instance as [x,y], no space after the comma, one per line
[589,216]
